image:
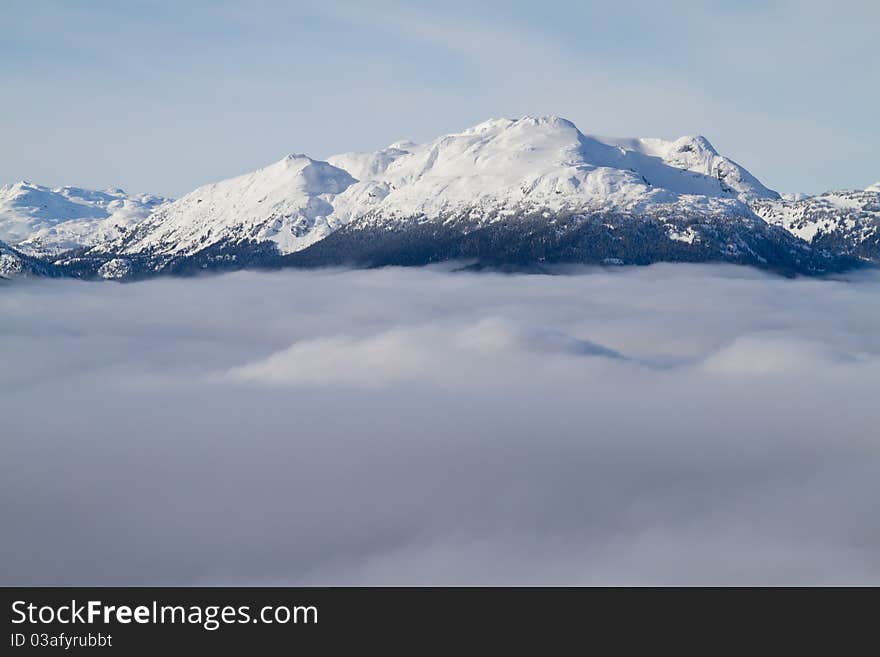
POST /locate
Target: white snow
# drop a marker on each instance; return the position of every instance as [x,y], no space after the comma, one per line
[115,269]
[287,202]
[688,236]
[548,162]
[43,221]
[854,213]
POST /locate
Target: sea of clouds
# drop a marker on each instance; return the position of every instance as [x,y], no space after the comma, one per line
[670,424]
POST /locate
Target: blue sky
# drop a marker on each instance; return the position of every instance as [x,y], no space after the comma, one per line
[164,96]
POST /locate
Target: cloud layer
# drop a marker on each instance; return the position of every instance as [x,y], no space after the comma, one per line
[667,424]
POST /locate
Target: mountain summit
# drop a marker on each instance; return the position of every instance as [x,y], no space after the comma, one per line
[288,203]
[547,161]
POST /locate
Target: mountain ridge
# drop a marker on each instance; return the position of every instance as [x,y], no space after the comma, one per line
[534,179]
[43,221]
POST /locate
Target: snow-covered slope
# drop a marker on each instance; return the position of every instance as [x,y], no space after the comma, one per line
[43,221]
[288,203]
[547,162]
[843,221]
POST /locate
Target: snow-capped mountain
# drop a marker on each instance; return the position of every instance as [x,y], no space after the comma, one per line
[504,193]
[500,165]
[542,169]
[840,222]
[288,203]
[43,221]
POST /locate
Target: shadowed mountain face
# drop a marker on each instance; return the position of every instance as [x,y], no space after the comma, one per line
[516,194]
[530,242]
